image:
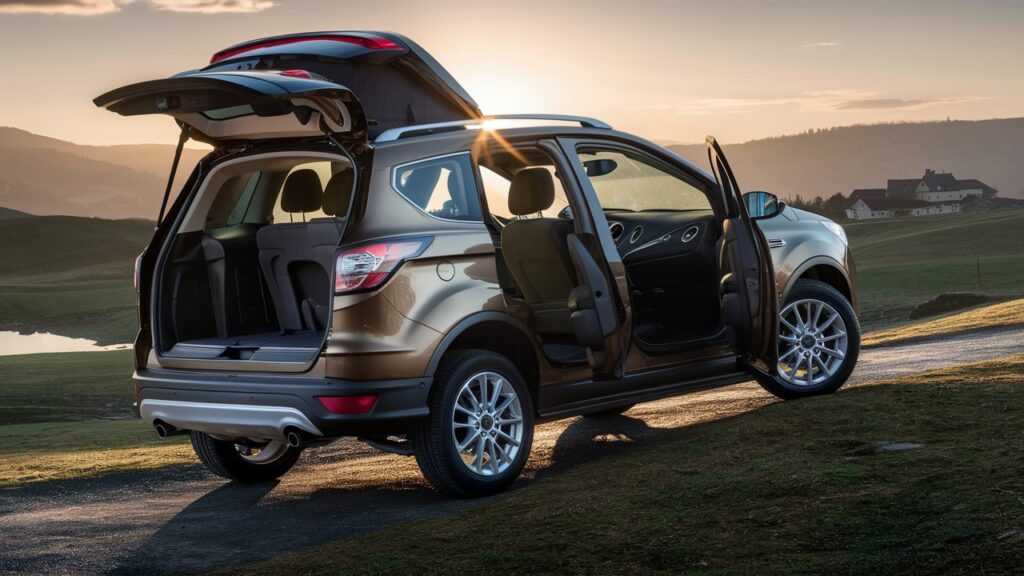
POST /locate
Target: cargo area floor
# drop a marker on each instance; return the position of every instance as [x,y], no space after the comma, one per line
[293,346]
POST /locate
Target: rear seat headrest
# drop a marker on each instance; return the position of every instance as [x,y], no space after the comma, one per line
[338,193]
[531,190]
[302,192]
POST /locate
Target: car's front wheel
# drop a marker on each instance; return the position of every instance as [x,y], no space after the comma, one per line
[819,341]
[478,435]
[241,463]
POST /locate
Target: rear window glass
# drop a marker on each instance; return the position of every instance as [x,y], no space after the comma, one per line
[442,187]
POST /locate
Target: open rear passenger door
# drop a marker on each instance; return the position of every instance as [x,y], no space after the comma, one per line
[601,316]
[747,287]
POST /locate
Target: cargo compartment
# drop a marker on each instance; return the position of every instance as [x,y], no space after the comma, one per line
[249,272]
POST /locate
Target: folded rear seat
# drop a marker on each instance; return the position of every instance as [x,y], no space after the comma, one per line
[298,257]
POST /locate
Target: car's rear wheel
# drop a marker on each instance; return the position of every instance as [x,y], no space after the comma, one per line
[819,341]
[480,429]
[245,463]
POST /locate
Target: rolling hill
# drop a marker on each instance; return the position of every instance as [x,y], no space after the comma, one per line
[48,176]
[70,276]
[824,162]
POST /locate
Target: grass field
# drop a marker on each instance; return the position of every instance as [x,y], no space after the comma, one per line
[903,262]
[65,387]
[70,276]
[44,451]
[792,488]
[995,315]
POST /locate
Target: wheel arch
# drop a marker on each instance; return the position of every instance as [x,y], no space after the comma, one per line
[823,269]
[499,333]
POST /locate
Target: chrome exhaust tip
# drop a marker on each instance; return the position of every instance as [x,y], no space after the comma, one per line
[294,438]
[164,430]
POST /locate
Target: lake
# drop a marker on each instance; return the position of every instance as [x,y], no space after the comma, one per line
[12,343]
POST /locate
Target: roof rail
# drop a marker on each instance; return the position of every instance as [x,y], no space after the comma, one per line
[405,131]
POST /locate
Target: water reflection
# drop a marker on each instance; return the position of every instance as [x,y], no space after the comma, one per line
[12,343]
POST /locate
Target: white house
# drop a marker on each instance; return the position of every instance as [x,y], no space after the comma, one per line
[933,193]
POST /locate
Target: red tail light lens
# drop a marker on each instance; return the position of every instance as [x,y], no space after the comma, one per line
[297,74]
[368,266]
[348,404]
[371,42]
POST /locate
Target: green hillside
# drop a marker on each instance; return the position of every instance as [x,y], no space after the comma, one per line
[70,276]
[903,262]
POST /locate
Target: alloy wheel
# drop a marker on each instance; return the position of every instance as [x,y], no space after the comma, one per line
[813,342]
[264,454]
[487,424]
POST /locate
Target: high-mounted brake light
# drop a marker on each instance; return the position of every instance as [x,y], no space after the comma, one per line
[370,42]
[297,74]
[368,266]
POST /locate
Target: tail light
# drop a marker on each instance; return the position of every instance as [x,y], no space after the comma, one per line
[368,266]
[138,271]
[369,42]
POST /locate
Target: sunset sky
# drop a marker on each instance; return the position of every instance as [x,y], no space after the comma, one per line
[667,70]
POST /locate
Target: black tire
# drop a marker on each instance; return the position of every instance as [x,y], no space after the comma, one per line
[804,289]
[610,412]
[222,458]
[432,438]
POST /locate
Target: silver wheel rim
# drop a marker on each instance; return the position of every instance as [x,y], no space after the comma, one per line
[812,342]
[487,424]
[265,454]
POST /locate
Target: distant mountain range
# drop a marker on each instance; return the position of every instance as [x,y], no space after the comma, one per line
[44,176]
[823,162]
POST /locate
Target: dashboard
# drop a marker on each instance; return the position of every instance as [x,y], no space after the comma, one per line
[642,236]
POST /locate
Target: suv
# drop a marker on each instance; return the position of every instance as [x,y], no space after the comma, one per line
[364,254]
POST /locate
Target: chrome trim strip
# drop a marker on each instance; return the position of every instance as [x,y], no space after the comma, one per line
[393,134]
[776,242]
[227,420]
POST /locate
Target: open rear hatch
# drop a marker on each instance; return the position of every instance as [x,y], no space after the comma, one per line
[398,82]
[221,107]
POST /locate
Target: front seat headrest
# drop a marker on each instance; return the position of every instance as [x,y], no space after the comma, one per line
[302,192]
[532,190]
[338,193]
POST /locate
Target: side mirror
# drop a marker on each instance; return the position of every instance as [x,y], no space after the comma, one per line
[763,204]
[599,167]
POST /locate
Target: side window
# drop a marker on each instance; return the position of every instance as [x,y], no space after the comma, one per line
[637,183]
[442,187]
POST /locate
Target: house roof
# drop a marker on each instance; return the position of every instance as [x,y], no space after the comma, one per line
[940,182]
[902,186]
[971,184]
[867,193]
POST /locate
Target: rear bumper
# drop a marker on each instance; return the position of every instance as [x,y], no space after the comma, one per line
[261,406]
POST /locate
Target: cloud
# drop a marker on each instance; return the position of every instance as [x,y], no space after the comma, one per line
[818,100]
[828,44]
[903,103]
[94,7]
[73,7]
[212,6]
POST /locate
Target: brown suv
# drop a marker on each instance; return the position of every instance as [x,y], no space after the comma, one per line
[364,254]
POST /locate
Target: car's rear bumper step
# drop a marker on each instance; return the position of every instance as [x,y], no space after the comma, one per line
[228,421]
